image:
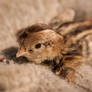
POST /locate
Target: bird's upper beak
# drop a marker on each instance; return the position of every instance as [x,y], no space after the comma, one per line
[20,52]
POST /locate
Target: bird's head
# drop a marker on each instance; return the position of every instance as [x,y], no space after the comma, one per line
[39,43]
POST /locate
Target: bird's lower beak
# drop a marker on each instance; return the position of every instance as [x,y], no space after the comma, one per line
[20,53]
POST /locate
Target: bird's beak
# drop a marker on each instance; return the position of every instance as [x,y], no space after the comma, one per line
[20,53]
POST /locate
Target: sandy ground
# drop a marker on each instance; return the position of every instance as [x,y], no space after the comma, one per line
[27,77]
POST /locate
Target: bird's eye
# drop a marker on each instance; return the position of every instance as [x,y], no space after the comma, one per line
[37,46]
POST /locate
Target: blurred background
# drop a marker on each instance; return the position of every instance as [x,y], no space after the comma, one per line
[17,14]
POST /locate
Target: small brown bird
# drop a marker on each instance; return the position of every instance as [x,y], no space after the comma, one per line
[66,47]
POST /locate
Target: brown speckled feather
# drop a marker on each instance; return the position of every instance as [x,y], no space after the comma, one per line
[64,48]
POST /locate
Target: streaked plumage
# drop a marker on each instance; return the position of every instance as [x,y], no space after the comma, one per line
[64,48]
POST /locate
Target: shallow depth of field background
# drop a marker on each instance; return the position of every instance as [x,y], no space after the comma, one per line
[17,14]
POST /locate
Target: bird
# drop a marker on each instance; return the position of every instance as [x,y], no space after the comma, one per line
[65,47]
